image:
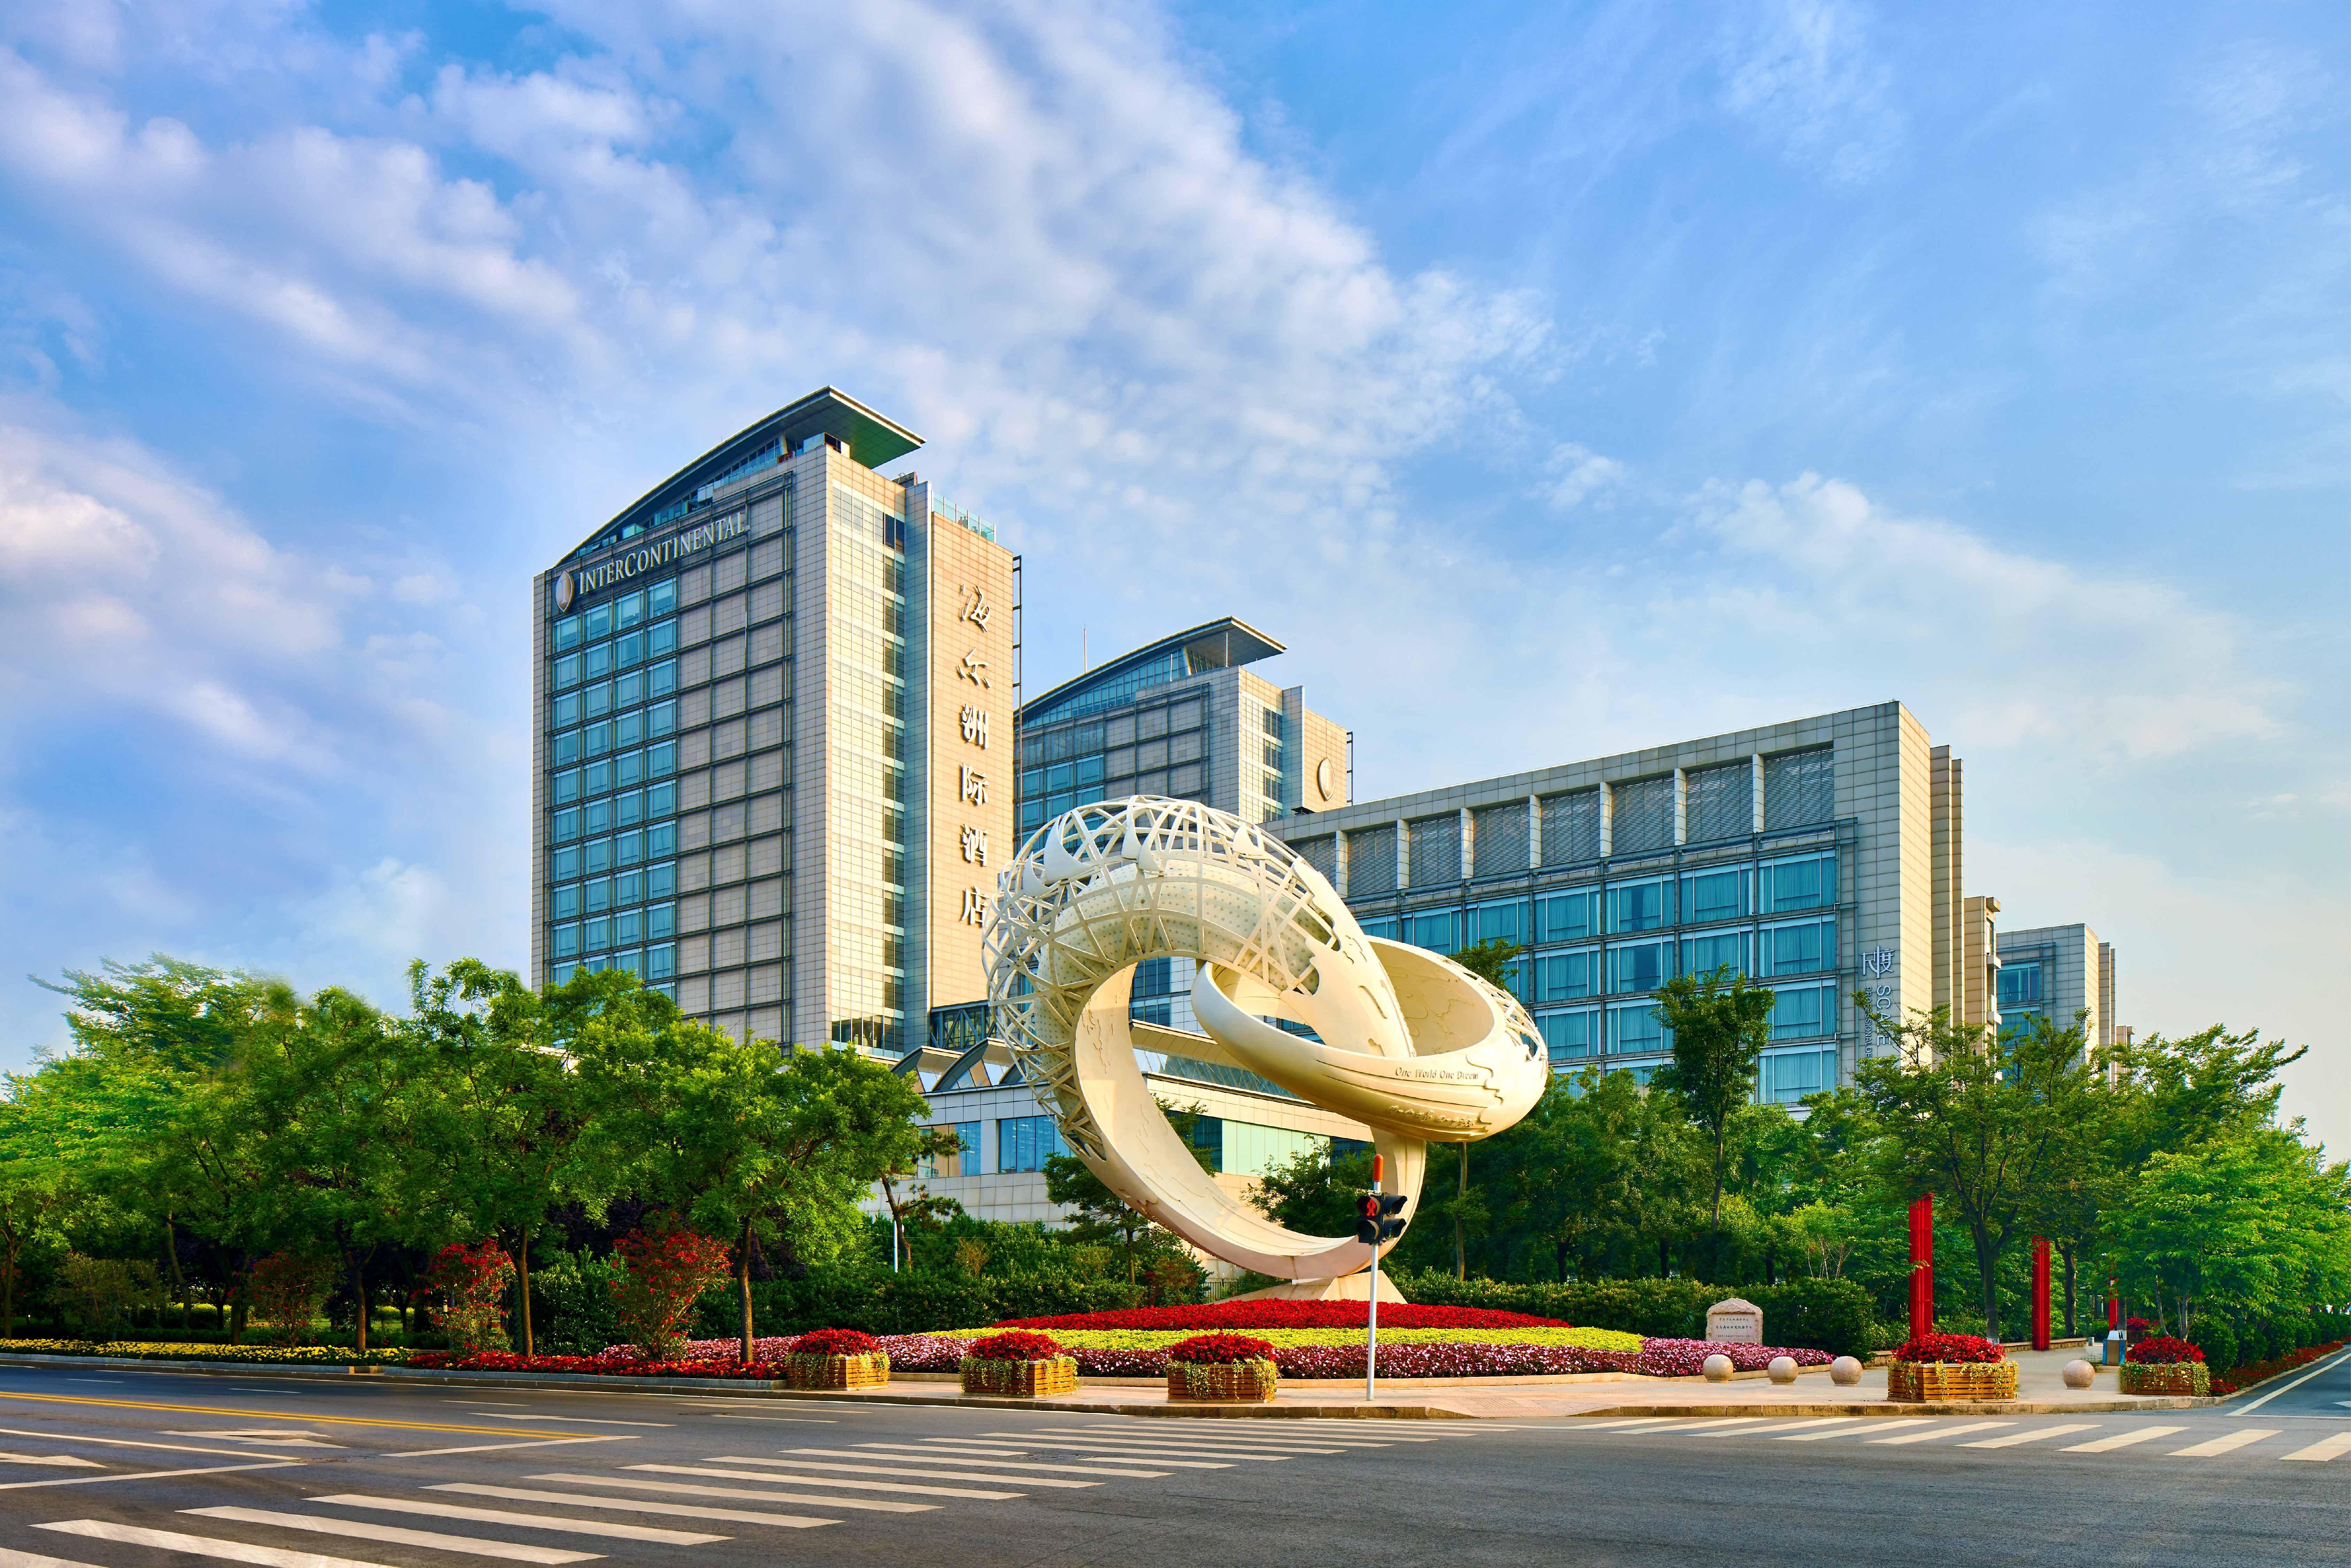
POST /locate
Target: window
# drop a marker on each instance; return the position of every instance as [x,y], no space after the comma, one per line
[1025,1143]
[628,729]
[629,808]
[661,719]
[599,894]
[562,825]
[660,920]
[1433,931]
[628,848]
[661,881]
[599,621]
[1788,1076]
[599,663]
[1637,905]
[567,632]
[600,818]
[662,597]
[567,941]
[1569,1036]
[567,787]
[964,1162]
[2020,985]
[1799,787]
[661,800]
[564,711]
[1032,782]
[599,738]
[1505,922]
[629,927]
[663,638]
[1090,773]
[629,650]
[1703,955]
[600,933]
[661,760]
[629,768]
[1640,966]
[661,839]
[1568,916]
[662,677]
[599,856]
[1032,814]
[628,887]
[567,901]
[566,673]
[661,961]
[1381,928]
[1803,1012]
[629,609]
[629,690]
[1808,882]
[1637,1029]
[1710,896]
[1803,948]
[564,863]
[567,749]
[1060,776]
[1563,977]
[561,974]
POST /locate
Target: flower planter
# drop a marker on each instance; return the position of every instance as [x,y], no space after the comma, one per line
[2167,1377]
[1940,1380]
[1223,1382]
[1021,1379]
[871,1370]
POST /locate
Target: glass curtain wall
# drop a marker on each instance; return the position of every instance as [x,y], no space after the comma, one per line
[866,818]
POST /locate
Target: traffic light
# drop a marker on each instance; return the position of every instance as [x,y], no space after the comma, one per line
[1379,1217]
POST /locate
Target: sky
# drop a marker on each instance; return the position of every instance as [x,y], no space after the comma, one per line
[1552,380]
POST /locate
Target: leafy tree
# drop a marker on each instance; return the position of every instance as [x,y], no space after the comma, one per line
[1720,1024]
[1101,1213]
[1494,961]
[1315,1191]
[34,1188]
[1978,1124]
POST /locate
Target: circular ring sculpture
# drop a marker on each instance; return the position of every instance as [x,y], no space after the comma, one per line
[1406,1041]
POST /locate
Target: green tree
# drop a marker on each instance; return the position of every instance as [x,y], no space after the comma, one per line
[1100,1214]
[1495,961]
[1720,1024]
[1315,1191]
[34,1190]
[1978,1124]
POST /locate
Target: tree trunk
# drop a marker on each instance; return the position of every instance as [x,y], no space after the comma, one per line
[1559,1261]
[2073,1323]
[360,1296]
[742,1285]
[1665,1258]
[1988,1276]
[522,1276]
[8,1292]
[1461,1241]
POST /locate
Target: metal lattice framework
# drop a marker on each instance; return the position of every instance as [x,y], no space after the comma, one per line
[1404,1041]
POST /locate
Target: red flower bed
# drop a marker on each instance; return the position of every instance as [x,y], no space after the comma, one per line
[1015,1346]
[593,1366]
[835,1342]
[2246,1376]
[1211,1349]
[2164,1351]
[1289,1315]
[1950,1347]
[1687,1357]
[2139,1323]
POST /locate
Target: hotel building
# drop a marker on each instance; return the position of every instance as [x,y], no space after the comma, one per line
[2057,972]
[772,755]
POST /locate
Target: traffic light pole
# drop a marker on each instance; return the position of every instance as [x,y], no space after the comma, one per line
[1371,1337]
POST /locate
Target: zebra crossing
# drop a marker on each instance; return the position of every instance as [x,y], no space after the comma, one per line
[1991,1434]
[558,1517]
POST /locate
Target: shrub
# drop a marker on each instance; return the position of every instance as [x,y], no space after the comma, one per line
[1288,1315]
[834,1342]
[665,1270]
[1960,1347]
[286,1290]
[2163,1350]
[2220,1342]
[1015,1346]
[1213,1349]
[2137,1325]
[102,1292]
[571,1302]
[1687,1357]
[469,1281]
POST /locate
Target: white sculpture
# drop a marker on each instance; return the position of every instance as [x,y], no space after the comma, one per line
[1407,1042]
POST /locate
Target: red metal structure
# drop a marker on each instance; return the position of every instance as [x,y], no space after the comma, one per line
[1922,1266]
[2041,1292]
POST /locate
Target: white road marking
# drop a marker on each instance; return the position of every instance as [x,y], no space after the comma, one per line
[436,1510]
[147,1475]
[1808,1422]
[804,1420]
[1109,1456]
[1822,1427]
[826,1481]
[1719,1424]
[2236,1440]
[131,1443]
[268,1436]
[1224,1457]
[636,1505]
[924,1475]
[67,1460]
[920,1456]
[494,1448]
[1304,1443]
[1944,1431]
[397,1535]
[201,1545]
[1623,1425]
[2123,1440]
[2035,1435]
[10,1558]
[2325,1449]
[680,1489]
[577,1420]
[2325,1363]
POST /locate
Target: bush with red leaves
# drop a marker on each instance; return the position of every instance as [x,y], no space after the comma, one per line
[1214,1349]
[2136,1324]
[1290,1315]
[1015,1347]
[1950,1347]
[2163,1351]
[835,1342]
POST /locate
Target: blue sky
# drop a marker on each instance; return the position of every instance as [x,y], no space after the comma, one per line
[1554,380]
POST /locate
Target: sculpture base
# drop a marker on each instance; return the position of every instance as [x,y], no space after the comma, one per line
[1356,1287]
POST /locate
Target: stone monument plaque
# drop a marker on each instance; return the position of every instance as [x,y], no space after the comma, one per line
[1735,1321]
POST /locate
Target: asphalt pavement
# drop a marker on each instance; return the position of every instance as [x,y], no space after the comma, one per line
[124,1468]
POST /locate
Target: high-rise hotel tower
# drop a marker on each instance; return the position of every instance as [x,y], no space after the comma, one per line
[773,760]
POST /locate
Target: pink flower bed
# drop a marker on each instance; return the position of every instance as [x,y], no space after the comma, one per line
[1687,1357]
[1289,1315]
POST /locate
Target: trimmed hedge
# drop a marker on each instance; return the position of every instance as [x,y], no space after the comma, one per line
[1834,1315]
[912,1302]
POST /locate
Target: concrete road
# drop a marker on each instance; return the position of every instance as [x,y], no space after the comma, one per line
[116,1468]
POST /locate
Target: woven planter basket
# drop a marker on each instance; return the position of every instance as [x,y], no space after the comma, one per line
[1021,1379]
[1223,1382]
[871,1370]
[2166,1377]
[1939,1380]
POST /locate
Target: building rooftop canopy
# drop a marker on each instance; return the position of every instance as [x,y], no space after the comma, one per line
[1215,645]
[872,439]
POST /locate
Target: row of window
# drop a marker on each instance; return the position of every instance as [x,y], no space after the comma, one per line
[607,696]
[607,774]
[599,855]
[648,964]
[1579,914]
[615,811]
[599,660]
[615,615]
[605,893]
[1803,947]
[1797,1012]
[627,929]
[1183,783]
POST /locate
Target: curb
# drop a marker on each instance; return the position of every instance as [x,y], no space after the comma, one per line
[1898,1410]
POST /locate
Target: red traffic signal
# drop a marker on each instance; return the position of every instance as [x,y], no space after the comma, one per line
[1379,1217]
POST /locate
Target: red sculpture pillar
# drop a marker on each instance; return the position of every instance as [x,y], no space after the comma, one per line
[2041,1292]
[1922,1266]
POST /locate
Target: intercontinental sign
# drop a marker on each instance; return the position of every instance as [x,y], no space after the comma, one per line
[571,585]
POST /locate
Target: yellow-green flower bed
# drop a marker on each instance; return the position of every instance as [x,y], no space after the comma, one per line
[141,1350]
[1160,1339]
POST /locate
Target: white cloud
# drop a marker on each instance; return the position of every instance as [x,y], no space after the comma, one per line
[1578,474]
[1803,73]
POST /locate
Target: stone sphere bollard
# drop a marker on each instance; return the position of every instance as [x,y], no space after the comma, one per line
[1844,1372]
[1782,1369]
[1716,1369]
[2079,1373]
